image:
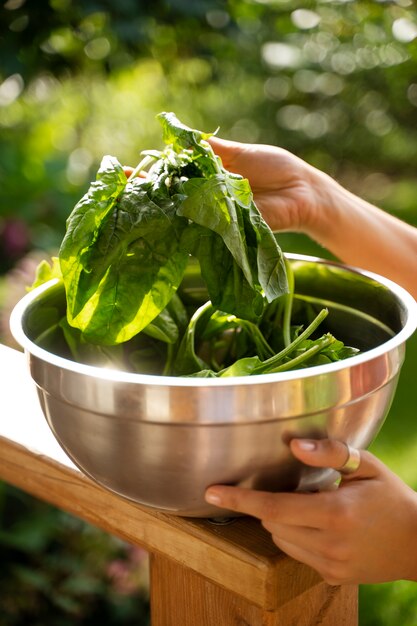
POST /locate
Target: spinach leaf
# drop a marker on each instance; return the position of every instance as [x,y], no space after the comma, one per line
[130,270]
[203,374]
[242,367]
[183,138]
[227,287]
[82,230]
[208,204]
[247,336]
[270,263]
[83,351]
[163,328]
[187,361]
[223,202]
[46,271]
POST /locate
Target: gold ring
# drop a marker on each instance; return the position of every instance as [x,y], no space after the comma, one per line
[352,462]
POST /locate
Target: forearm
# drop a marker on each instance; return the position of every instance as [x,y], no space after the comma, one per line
[360,234]
[408,555]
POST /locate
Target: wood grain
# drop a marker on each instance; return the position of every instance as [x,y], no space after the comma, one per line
[181,597]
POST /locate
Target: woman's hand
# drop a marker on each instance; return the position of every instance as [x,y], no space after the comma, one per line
[293,195]
[364,532]
[289,193]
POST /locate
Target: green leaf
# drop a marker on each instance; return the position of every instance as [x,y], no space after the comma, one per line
[131,270]
[203,374]
[242,367]
[271,269]
[228,288]
[186,361]
[220,322]
[177,133]
[46,272]
[82,229]
[146,355]
[163,327]
[178,312]
[185,140]
[224,204]
[208,203]
[84,351]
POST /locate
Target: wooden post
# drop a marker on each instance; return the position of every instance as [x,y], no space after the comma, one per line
[202,574]
[181,597]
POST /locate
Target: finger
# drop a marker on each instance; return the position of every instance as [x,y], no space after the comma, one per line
[313,540]
[255,503]
[299,509]
[224,145]
[334,454]
[333,572]
[227,150]
[325,544]
[129,171]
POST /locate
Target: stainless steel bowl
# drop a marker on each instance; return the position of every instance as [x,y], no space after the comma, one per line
[162,440]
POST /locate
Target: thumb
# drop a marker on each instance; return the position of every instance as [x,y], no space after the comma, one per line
[227,150]
[334,454]
[223,145]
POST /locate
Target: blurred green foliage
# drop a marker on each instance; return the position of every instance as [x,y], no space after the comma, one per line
[59,571]
[333,81]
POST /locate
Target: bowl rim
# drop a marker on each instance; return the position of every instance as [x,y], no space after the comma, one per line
[177,381]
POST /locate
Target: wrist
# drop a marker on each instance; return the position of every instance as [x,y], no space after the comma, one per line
[328,200]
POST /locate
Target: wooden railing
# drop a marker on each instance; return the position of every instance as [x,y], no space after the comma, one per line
[202,574]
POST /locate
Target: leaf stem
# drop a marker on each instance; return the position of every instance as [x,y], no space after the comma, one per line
[291,347]
[304,356]
[215,159]
[286,321]
[147,160]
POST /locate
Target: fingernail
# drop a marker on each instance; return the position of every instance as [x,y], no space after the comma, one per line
[213,497]
[306,444]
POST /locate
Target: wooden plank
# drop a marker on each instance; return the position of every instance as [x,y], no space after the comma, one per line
[240,558]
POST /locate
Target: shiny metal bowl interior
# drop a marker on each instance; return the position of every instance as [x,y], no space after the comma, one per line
[161,441]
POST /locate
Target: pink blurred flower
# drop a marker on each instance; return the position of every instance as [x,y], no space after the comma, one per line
[130,575]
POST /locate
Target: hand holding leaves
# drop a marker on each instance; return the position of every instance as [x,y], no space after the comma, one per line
[127,242]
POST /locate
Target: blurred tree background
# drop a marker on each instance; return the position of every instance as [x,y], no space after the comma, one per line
[333,81]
